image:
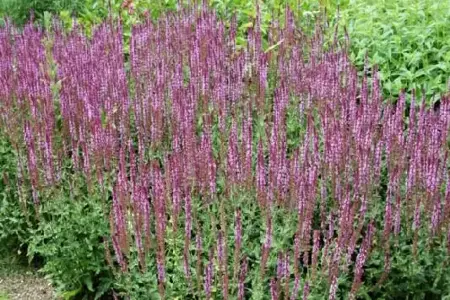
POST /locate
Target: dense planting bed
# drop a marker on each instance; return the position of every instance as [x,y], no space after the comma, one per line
[191,168]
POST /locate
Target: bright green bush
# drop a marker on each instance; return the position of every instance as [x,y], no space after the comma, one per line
[407,39]
[19,10]
[96,11]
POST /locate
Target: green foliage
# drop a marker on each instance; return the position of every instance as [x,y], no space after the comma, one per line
[13,225]
[94,12]
[421,276]
[69,239]
[19,10]
[274,10]
[407,39]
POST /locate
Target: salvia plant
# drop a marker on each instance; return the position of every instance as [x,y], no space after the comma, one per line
[223,172]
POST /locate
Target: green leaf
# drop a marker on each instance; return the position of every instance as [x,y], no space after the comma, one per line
[274,46]
[246,25]
[88,282]
[70,294]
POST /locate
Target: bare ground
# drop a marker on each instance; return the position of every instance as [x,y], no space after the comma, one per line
[26,286]
[21,282]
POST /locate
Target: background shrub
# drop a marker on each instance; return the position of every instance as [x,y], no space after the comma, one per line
[407,39]
[20,10]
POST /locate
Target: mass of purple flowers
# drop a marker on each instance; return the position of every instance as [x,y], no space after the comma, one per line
[187,117]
